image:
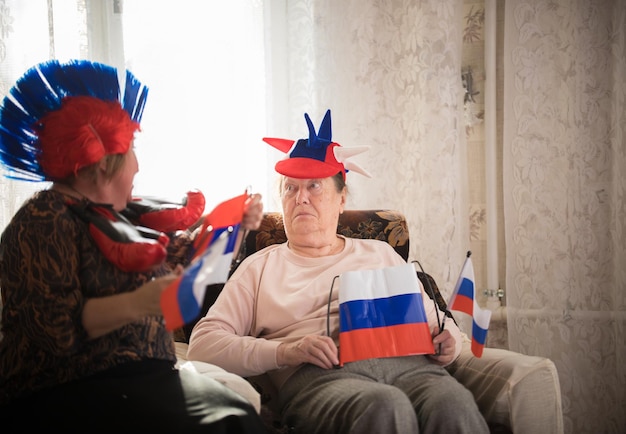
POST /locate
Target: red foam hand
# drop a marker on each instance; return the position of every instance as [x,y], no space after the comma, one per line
[167,217]
[128,247]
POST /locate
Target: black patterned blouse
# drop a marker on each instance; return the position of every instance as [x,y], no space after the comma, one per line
[49,266]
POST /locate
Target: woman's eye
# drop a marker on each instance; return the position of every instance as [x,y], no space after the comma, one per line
[288,189]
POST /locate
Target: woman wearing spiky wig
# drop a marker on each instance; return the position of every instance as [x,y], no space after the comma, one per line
[85,347]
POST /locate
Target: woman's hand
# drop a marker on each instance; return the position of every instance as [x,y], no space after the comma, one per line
[314,349]
[253,212]
[102,315]
[147,298]
[445,345]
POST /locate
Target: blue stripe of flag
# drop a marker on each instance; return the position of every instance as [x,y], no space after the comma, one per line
[381,312]
[232,239]
[467,288]
[187,302]
[479,334]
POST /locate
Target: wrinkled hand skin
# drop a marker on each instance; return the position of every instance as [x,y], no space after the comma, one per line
[314,349]
[445,345]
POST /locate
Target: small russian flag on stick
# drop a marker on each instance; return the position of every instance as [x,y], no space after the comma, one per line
[215,245]
[463,299]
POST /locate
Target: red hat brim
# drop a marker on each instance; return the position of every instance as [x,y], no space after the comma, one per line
[307,168]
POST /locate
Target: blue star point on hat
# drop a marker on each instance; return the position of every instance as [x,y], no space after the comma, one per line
[318,156]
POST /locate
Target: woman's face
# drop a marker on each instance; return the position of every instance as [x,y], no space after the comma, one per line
[311,209]
[122,182]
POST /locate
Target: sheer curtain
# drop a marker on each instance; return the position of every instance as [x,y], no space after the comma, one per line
[565,188]
[29,33]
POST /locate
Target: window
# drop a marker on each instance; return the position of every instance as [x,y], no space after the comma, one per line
[202,127]
[204,63]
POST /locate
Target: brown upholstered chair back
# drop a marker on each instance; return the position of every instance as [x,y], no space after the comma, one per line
[384,225]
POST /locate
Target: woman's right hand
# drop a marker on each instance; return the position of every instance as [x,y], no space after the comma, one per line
[314,349]
[104,314]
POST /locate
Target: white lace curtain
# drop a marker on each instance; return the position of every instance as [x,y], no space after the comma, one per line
[564,190]
[390,73]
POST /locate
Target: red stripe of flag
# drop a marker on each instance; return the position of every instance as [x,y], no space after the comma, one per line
[169,306]
[392,341]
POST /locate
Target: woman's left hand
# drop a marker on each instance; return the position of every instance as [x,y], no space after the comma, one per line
[253,212]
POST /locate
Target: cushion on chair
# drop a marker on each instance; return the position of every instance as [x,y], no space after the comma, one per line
[228,379]
[512,389]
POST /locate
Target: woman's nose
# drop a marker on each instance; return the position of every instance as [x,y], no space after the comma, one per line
[302,196]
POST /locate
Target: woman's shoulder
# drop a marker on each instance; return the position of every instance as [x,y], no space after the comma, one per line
[258,258]
[44,200]
[368,243]
[45,208]
[371,246]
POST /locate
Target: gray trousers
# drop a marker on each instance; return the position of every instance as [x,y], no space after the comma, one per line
[390,395]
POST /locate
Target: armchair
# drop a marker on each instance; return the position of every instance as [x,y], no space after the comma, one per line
[515,392]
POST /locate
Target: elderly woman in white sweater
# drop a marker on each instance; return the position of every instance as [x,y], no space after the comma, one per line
[271,317]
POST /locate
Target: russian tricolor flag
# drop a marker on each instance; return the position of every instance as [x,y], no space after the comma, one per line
[463,299]
[181,302]
[381,314]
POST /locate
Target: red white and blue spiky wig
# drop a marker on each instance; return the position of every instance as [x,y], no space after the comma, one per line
[316,157]
[61,117]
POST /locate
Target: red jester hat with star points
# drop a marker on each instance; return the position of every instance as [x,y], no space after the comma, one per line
[318,156]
